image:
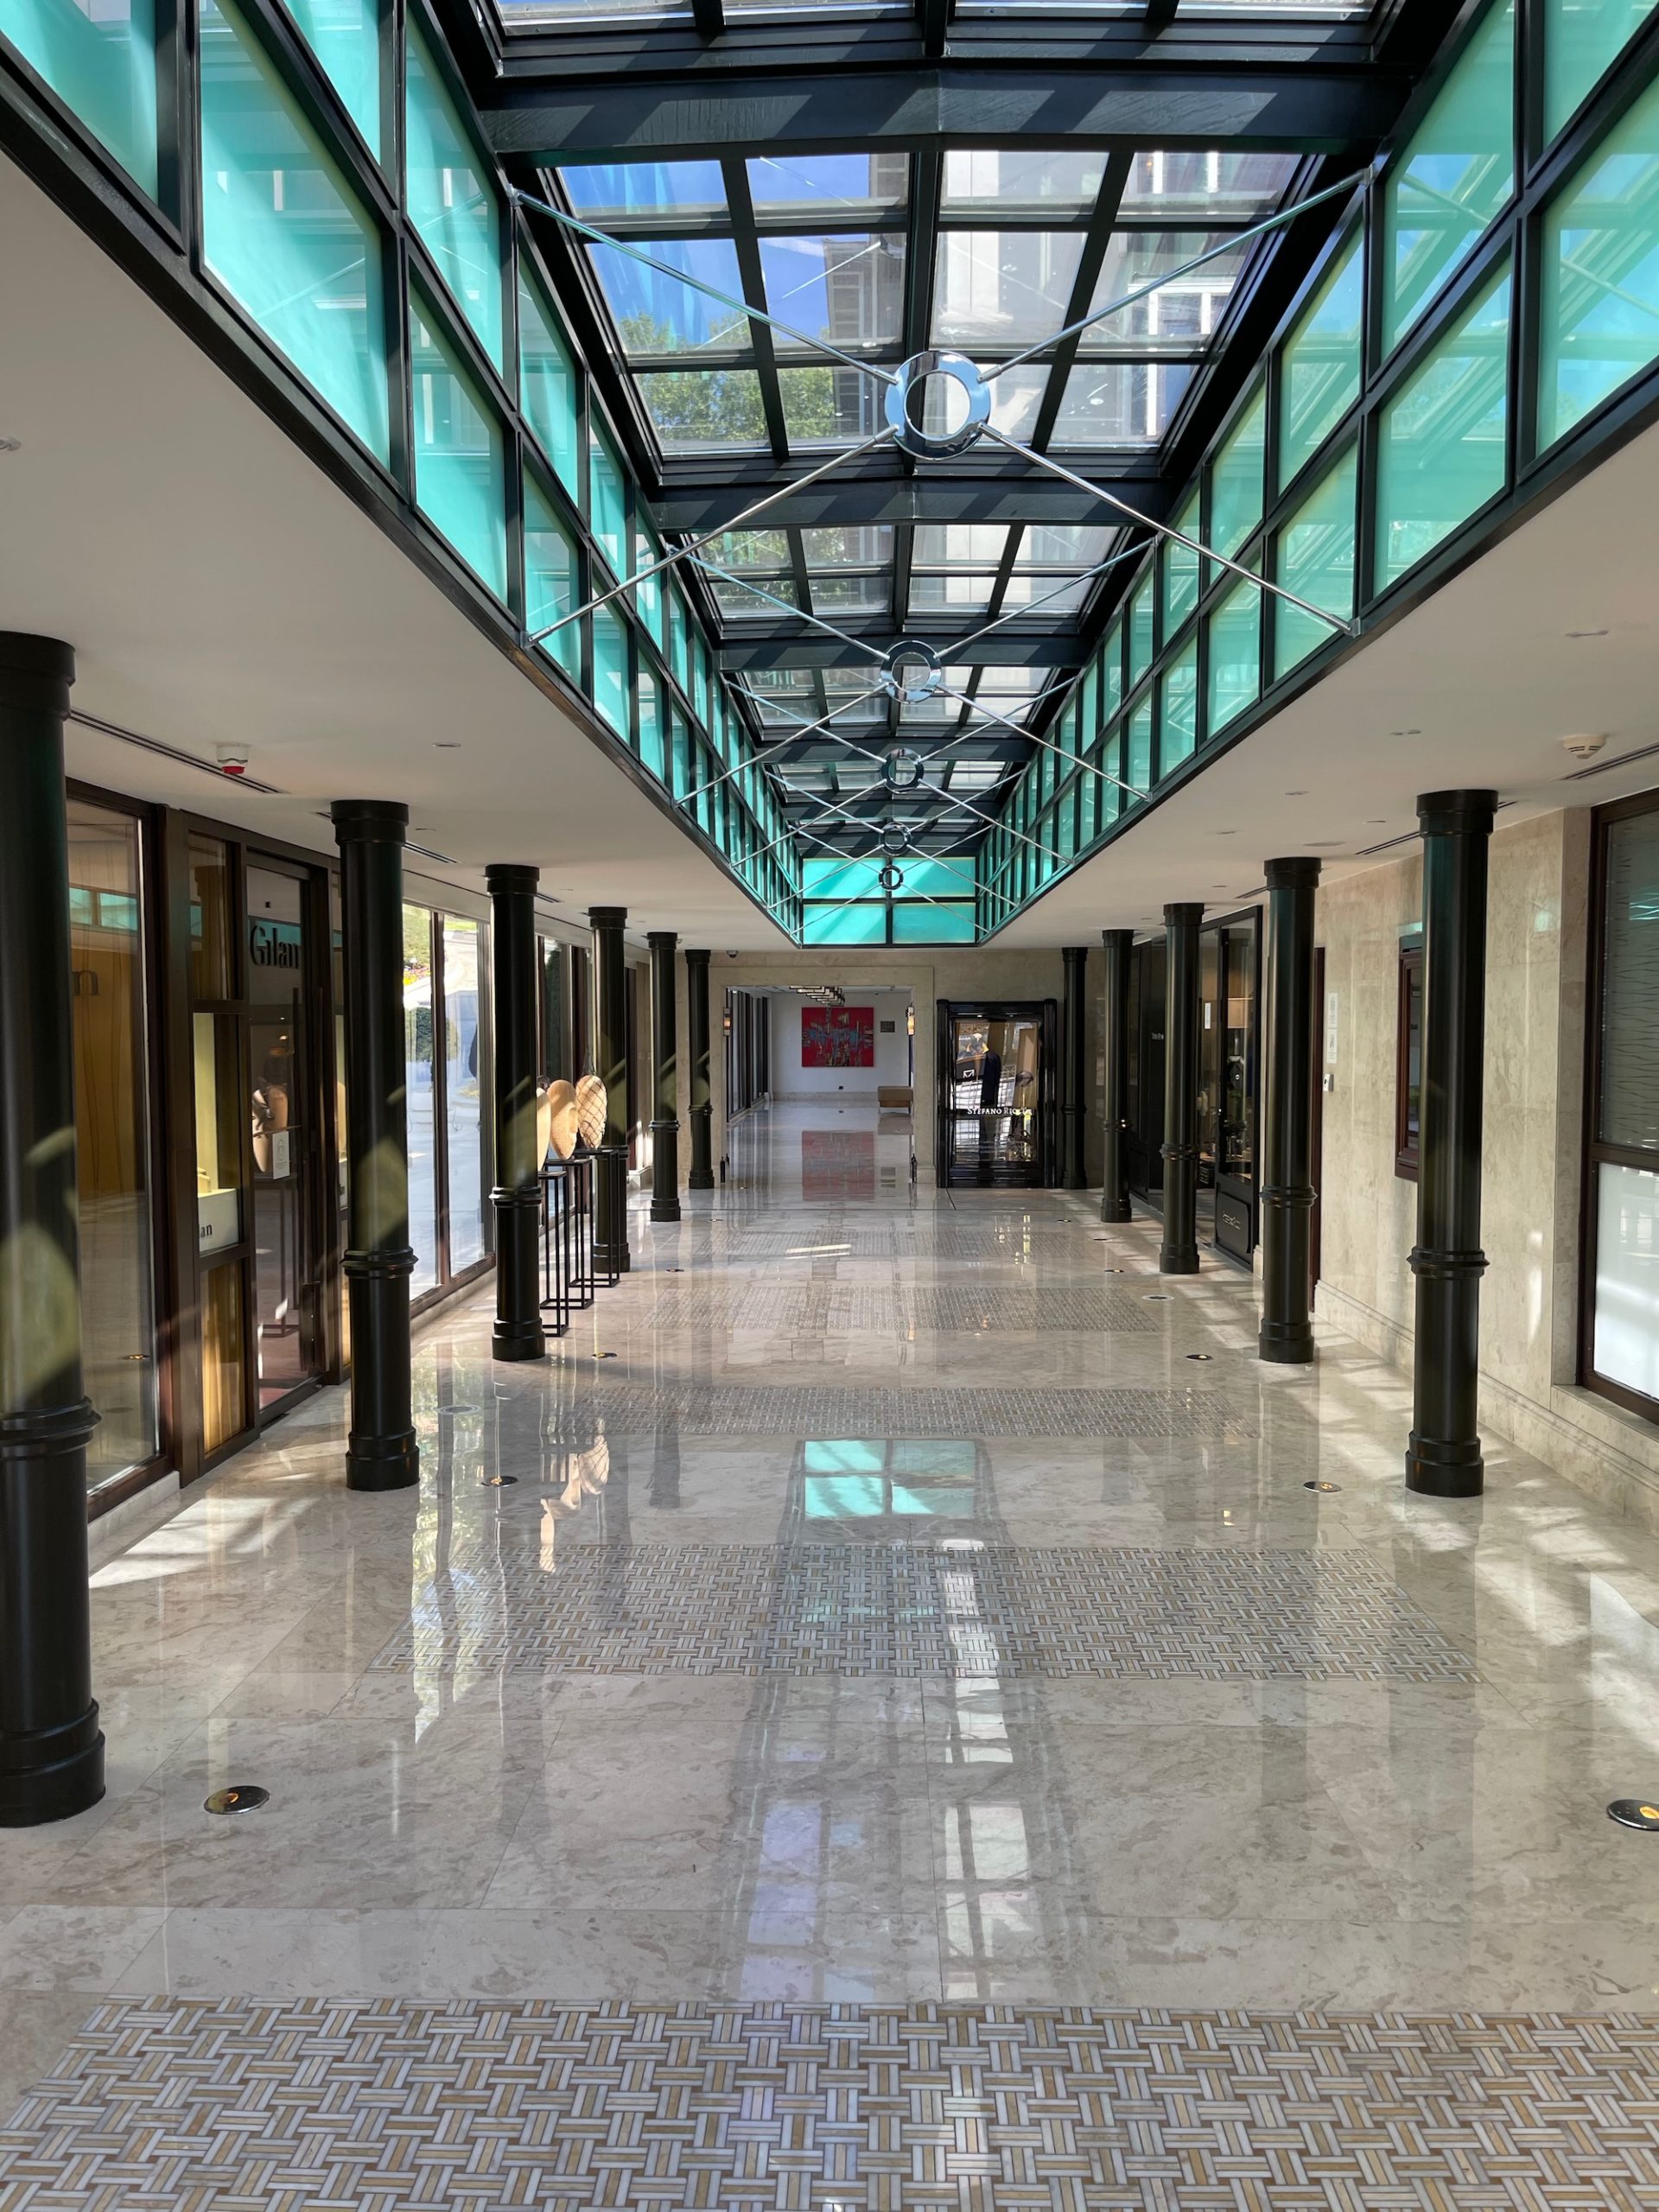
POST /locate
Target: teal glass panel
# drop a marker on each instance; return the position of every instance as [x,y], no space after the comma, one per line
[344,35]
[824,878]
[608,502]
[1235,656]
[1139,772]
[1316,561]
[679,627]
[648,594]
[284,232]
[1088,810]
[1236,478]
[844,925]
[1065,825]
[924,925]
[551,580]
[460,470]
[1140,626]
[548,390]
[1180,571]
[1178,727]
[1441,445]
[1319,367]
[1452,178]
[681,757]
[611,666]
[451,196]
[1600,318]
[100,61]
[1111,673]
[1582,40]
[937,878]
[651,726]
[1112,794]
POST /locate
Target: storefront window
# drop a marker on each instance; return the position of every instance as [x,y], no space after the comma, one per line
[1621,1288]
[1408,1069]
[444,970]
[112,1137]
[280,1094]
[420,1101]
[463,1094]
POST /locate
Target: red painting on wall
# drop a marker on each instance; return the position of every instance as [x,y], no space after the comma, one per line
[837,1036]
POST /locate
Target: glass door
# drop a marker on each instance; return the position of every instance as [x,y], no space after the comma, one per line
[995,1081]
[286,1273]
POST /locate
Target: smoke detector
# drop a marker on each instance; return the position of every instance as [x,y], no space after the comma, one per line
[1586,746]
[233,760]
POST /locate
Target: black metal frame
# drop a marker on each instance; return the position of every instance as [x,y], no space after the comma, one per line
[1045,1171]
[1595,1153]
[1409,987]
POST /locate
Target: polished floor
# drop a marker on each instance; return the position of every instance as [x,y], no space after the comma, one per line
[881,1718]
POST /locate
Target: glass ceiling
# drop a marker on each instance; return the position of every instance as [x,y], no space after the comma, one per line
[1013,246]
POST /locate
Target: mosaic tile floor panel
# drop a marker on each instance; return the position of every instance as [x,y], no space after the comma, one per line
[969,1609]
[719,1409]
[395,2106]
[1001,1243]
[849,1307]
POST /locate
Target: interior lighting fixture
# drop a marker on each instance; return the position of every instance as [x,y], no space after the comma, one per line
[1635,1813]
[1322,1486]
[240,1797]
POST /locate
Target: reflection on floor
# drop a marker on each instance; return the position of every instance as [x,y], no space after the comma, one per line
[791,1790]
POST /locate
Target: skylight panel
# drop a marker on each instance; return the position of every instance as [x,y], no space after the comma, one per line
[827,185]
[1207,187]
[1182,315]
[1127,404]
[655,314]
[705,411]
[619,192]
[1060,182]
[849,291]
[1003,289]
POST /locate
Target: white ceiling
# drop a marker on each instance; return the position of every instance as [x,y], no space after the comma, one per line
[218,589]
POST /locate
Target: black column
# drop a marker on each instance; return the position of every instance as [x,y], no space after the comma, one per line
[1075,960]
[1287,1331]
[1179,1253]
[51,1752]
[1443,1457]
[380,1449]
[517,1196]
[665,1078]
[611,1066]
[1115,1106]
[701,1176]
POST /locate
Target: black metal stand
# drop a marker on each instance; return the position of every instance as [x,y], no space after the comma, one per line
[611,1257]
[1115,1181]
[516,1197]
[1286,1336]
[1075,958]
[1443,1458]
[665,1079]
[557,1246]
[51,1750]
[381,1453]
[701,1176]
[1179,1253]
[579,1200]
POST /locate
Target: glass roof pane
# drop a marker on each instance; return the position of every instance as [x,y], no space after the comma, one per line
[961,591]
[980,543]
[760,550]
[1051,596]
[655,313]
[1064,545]
[1061,183]
[1120,402]
[827,184]
[850,290]
[828,406]
[1181,315]
[867,543]
[1016,398]
[738,603]
[1003,287]
[606,192]
[701,410]
[1213,187]
[848,593]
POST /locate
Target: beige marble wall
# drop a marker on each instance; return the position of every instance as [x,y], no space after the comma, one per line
[1530,1157]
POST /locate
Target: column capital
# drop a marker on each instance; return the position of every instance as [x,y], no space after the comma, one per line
[607,917]
[1451,814]
[1300,872]
[1074,952]
[369,821]
[696,958]
[35,673]
[662,941]
[1112,938]
[502,879]
[1186,914]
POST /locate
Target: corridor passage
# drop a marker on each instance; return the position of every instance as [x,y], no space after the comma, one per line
[903,1709]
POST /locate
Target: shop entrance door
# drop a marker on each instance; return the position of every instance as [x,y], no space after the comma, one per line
[286,1274]
[1229,957]
[996,1094]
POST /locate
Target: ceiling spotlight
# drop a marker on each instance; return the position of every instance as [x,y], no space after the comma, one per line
[903,769]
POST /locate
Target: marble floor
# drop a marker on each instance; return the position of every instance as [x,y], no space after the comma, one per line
[882,1717]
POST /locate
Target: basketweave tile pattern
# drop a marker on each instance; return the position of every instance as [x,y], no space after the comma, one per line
[399,2105]
[910,1609]
[849,1307]
[1001,1241]
[812,1409]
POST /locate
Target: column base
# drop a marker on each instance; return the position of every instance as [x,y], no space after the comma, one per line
[382,1462]
[53,1774]
[1286,1343]
[1115,1210]
[664,1210]
[1435,1469]
[518,1340]
[1178,1262]
[699,1178]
